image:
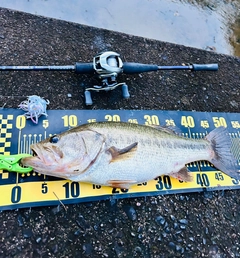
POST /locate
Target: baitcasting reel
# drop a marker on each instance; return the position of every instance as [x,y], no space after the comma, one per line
[107,66]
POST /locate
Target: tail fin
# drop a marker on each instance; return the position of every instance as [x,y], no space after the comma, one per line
[222,158]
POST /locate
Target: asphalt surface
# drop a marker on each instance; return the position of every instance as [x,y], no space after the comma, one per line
[182,225]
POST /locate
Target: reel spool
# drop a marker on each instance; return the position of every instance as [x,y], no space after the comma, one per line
[107,64]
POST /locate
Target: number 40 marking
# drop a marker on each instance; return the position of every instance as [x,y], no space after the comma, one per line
[202,179]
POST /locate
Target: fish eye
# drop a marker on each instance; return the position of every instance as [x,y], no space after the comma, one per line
[54,139]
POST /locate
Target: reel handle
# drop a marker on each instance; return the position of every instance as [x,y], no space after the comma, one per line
[88,98]
[125,92]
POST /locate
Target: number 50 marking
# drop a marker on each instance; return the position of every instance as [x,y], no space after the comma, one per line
[219,121]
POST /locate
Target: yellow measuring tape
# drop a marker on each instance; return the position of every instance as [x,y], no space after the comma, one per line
[32,189]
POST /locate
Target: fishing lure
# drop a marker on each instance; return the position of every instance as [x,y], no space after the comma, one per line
[35,106]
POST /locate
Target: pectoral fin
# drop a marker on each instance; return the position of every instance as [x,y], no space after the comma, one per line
[120,154]
[183,174]
[122,184]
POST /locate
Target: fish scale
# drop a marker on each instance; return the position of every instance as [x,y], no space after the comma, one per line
[149,161]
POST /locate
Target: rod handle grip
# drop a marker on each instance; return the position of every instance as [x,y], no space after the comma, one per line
[204,67]
[138,68]
[84,68]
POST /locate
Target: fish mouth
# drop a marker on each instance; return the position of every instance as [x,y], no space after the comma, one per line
[49,155]
[32,161]
[37,154]
[44,159]
[34,154]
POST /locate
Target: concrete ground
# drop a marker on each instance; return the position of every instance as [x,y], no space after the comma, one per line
[182,225]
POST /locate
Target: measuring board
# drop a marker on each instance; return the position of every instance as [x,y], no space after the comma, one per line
[33,189]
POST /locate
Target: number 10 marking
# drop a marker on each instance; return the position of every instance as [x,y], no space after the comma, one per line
[70,120]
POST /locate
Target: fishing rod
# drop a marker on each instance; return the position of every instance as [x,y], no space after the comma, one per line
[107,66]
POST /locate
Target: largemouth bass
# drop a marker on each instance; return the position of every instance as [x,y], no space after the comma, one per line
[119,154]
